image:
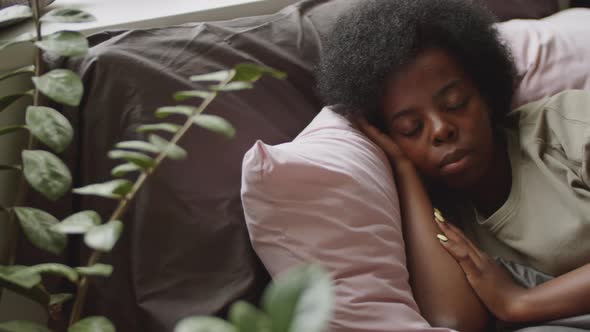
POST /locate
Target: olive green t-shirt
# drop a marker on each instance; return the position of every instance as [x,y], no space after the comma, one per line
[545,222]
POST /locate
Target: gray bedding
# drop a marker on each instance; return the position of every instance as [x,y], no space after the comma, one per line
[529,278]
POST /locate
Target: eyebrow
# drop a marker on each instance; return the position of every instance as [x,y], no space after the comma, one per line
[446,88]
[452,84]
[401,113]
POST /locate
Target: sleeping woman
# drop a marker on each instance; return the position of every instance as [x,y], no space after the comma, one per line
[431,83]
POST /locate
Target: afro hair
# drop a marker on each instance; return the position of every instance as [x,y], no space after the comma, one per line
[379,37]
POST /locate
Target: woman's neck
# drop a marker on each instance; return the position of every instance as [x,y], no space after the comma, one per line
[492,191]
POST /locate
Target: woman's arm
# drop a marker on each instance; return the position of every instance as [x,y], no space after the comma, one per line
[438,282]
[439,285]
[565,296]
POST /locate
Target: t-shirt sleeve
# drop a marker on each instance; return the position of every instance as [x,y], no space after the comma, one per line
[562,122]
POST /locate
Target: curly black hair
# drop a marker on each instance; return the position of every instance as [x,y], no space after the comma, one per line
[379,37]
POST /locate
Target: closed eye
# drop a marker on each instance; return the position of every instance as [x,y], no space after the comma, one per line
[458,106]
[413,131]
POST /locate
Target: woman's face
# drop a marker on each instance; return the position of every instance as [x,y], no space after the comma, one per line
[436,115]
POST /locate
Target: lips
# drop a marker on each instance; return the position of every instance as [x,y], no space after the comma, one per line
[453,157]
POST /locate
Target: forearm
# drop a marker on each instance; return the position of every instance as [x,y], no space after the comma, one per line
[439,284]
[565,296]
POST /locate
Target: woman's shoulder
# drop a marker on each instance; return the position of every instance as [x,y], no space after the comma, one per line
[568,105]
[558,125]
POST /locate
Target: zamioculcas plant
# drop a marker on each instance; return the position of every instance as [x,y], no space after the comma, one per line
[287,303]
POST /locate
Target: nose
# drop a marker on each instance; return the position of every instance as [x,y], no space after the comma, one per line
[443,131]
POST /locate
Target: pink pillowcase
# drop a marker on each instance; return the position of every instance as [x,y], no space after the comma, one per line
[551,54]
[329,197]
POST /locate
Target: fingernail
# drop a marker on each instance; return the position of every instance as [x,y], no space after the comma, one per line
[442,238]
[438,216]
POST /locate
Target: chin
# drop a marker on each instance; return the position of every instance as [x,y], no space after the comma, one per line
[462,180]
[468,176]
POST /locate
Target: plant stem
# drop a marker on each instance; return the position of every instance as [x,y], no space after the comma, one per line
[37,18]
[124,203]
[38,52]
[22,187]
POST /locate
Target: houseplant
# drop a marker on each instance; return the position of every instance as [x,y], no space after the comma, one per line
[44,172]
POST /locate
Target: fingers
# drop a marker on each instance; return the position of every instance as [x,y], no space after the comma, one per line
[381,139]
[446,226]
[373,133]
[451,227]
[461,253]
[459,246]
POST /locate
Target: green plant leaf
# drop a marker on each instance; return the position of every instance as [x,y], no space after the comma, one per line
[104,237]
[115,189]
[68,15]
[14,14]
[163,112]
[93,324]
[123,169]
[46,173]
[7,100]
[78,223]
[36,225]
[247,318]
[138,145]
[142,160]
[300,300]
[36,292]
[27,70]
[10,168]
[215,123]
[53,268]
[169,127]
[98,270]
[26,37]
[184,95]
[21,280]
[64,43]
[60,298]
[218,76]
[204,324]
[249,72]
[11,129]
[61,85]
[22,326]
[232,86]
[12,274]
[50,127]
[172,151]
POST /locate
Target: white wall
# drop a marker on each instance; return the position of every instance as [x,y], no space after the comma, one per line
[117,14]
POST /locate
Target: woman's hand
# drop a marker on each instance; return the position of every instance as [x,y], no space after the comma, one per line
[492,283]
[394,153]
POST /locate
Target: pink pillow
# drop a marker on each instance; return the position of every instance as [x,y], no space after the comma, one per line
[551,54]
[329,197]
